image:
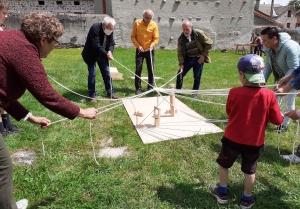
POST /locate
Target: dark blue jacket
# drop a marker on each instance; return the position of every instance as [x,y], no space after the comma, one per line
[295,82]
[93,48]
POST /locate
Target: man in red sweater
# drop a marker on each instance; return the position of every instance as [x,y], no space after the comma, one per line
[249,109]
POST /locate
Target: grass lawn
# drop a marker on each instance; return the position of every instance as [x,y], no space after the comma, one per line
[171,174]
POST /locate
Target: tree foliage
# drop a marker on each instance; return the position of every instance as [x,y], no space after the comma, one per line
[296,3]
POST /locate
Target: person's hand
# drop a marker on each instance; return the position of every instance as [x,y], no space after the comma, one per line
[280,91]
[88,113]
[181,68]
[275,88]
[284,89]
[285,80]
[292,114]
[151,48]
[44,122]
[201,58]
[109,55]
[140,49]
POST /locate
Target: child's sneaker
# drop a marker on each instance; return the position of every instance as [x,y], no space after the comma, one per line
[214,190]
[279,129]
[292,158]
[247,204]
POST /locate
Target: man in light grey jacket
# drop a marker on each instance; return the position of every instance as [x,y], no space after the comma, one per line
[282,58]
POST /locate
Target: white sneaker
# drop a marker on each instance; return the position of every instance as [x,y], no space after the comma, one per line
[291,158]
[22,204]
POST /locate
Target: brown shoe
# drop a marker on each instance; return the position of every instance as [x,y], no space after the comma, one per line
[93,101]
[112,96]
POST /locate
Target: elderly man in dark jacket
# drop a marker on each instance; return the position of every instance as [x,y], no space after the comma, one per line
[193,50]
[99,47]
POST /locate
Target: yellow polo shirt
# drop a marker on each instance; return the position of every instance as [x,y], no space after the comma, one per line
[144,35]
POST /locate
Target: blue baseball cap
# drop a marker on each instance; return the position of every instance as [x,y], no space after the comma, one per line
[252,66]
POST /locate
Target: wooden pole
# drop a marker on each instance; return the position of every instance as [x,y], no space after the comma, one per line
[172,101]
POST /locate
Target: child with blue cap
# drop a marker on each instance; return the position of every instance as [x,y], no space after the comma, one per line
[249,109]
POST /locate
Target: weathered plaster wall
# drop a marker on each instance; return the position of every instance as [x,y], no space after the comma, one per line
[76,25]
[226,22]
[86,6]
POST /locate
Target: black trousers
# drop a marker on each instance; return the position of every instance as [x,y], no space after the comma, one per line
[139,59]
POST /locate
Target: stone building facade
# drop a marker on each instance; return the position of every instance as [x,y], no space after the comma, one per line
[226,22]
[287,16]
[64,6]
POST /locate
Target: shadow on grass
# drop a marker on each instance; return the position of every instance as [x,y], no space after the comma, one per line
[273,197]
[182,195]
[125,91]
[44,202]
[216,146]
[185,195]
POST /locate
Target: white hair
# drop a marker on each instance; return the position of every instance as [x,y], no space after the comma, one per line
[187,22]
[149,11]
[108,20]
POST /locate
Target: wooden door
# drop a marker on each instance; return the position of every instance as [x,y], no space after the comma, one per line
[104,6]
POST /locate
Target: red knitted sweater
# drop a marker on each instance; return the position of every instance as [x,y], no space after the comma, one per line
[20,70]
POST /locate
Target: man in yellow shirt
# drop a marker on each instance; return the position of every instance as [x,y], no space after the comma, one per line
[145,37]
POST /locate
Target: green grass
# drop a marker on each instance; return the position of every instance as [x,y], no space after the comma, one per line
[171,174]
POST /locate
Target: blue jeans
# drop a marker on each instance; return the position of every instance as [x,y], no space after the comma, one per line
[104,69]
[190,62]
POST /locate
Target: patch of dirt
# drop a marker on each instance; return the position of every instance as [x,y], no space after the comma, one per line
[113,152]
[23,157]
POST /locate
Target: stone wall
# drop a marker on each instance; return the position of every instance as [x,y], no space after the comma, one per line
[284,19]
[226,22]
[84,6]
[76,26]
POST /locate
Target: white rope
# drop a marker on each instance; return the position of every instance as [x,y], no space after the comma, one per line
[132,72]
[169,80]
[283,94]
[43,146]
[110,81]
[279,138]
[69,89]
[118,103]
[204,101]
[209,92]
[91,139]
[152,68]
[87,96]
